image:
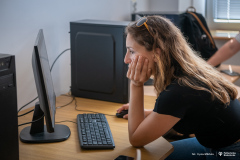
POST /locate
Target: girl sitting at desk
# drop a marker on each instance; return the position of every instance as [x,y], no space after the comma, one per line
[193,98]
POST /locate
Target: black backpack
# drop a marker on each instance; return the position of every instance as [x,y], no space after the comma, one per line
[194,27]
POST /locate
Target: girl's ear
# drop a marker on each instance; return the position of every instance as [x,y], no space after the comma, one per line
[156,53]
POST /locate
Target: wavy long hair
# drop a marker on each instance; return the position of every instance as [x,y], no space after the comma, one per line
[178,61]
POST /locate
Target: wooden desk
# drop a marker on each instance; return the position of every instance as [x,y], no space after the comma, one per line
[70,149]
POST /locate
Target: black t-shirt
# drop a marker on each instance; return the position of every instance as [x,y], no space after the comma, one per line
[214,124]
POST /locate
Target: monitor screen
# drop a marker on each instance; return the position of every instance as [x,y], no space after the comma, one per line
[38,132]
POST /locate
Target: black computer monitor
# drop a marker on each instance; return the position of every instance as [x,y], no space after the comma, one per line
[38,132]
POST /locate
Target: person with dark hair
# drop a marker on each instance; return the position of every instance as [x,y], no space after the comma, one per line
[193,97]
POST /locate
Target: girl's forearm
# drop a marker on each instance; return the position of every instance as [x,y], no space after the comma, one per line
[136,108]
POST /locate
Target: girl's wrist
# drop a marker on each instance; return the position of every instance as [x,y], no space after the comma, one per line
[136,84]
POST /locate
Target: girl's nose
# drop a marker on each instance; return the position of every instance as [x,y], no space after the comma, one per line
[127,59]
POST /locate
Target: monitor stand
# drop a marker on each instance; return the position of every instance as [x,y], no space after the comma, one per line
[37,132]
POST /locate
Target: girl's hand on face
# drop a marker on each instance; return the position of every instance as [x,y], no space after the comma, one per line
[138,71]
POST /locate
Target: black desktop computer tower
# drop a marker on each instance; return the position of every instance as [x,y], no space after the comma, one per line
[9,149]
[98,70]
[173,16]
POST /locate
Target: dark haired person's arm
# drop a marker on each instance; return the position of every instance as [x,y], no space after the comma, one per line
[226,51]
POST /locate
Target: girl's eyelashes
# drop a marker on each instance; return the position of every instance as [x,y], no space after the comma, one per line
[132,52]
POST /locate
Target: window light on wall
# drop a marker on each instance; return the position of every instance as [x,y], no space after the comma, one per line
[226,11]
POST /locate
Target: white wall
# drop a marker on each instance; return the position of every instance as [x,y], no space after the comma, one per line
[20,21]
[142,5]
[175,5]
[163,5]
